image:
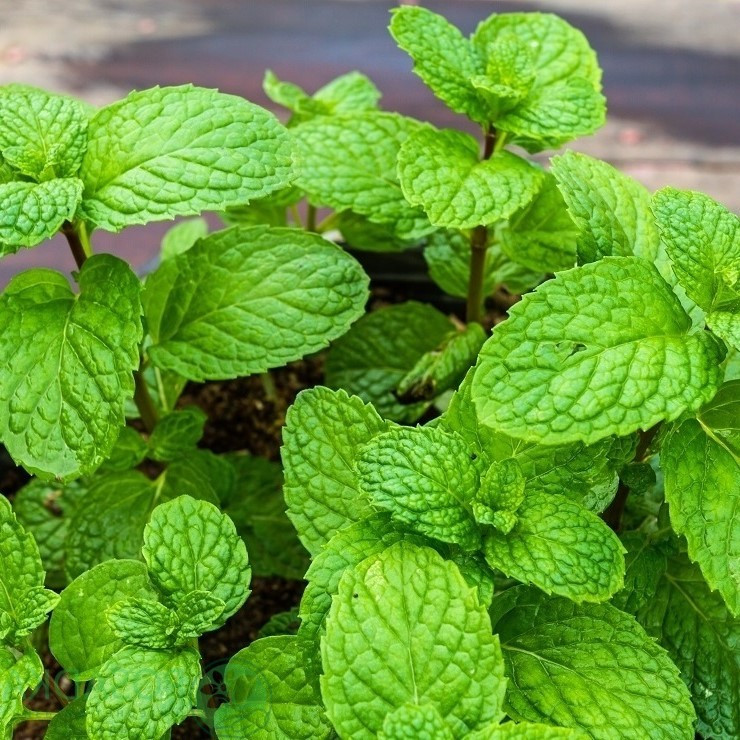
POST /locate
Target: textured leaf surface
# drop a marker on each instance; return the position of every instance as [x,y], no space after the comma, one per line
[189,546]
[441,171]
[405,628]
[374,356]
[425,478]
[18,673]
[324,430]
[349,162]
[415,722]
[177,151]
[443,58]
[611,209]
[703,241]
[42,134]
[702,488]
[247,299]
[560,547]
[588,666]
[142,622]
[541,236]
[527,731]
[69,722]
[447,255]
[79,636]
[62,396]
[274,690]
[602,349]
[143,693]
[703,639]
[725,323]
[32,212]
[176,433]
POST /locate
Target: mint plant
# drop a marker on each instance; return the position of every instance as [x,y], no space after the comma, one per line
[552,553]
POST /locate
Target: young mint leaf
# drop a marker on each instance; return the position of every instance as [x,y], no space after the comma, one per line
[527,731]
[143,622]
[182,236]
[344,551]
[274,690]
[129,451]
[441,171]
[290,96]
[257,508]
[725,323]
[603,349]
[721,416]
[69,722]
[33,608]
[189,546]
[444,367]
[560,547]
[19,671]
[380,349]
[576,665]
[429,632]
[278,294]
[702,488]
[541,236]
[142,693]
[415,722]
[283,623]
[500,494]
[443,58]
[426,479]
[611,210]
[703,241]
[79,636]
[41,134]
[323,431]
[177,151]
[34,211]
[348,162]
[703,639]
[197,613]
[61,400]
[177,433]
[447,254]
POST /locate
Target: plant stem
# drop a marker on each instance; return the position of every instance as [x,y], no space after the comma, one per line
[142,399]
[311,218]
[478,246]
[79,245]
[646,439]
[29,716]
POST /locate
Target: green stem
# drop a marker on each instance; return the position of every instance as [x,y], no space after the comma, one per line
[328,223]
[478,247]
[296,216]
[142,399]
[311,218]
[197,713]
[29,716]
[79,245]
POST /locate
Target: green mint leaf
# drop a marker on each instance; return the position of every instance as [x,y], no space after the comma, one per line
[415,722]
[372,358]
[22,595]
[703,639]
[702,488]
[69,722]
[500,494]
[610,342]
[361,233]
[279,294]
[441,171]
[725,323]
[348,162]
[129,451]
[527,731]
[541,236]
[611,209]
[61,403]
[79,636]
[257,508]
[443,58]
[197,613]
[419,607]
[344,551]
[189,546]
[182,236]
[34,211]
[323,432]
[290,96]
[644,566]
[41,134]
[447,254]
[426,479]
[721,416]
[18,673]
[177,433]
[444,367]
[575,665]
[283,623]
[142,622]
[177,151]
[560,547]
[274,690]
[702,239]
[142,693]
